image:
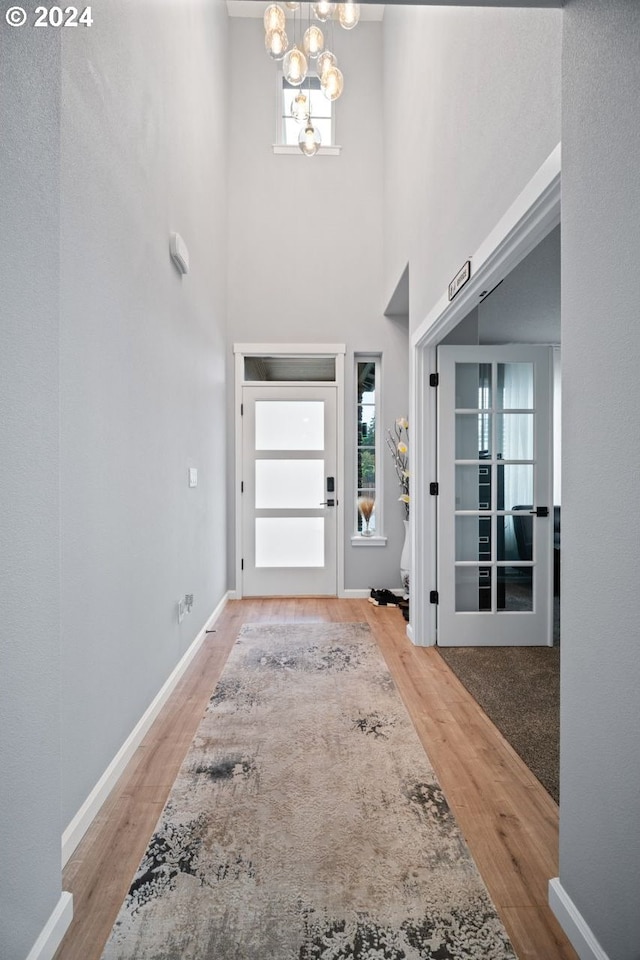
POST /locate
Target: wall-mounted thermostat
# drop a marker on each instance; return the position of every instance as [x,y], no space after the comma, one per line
[179,252]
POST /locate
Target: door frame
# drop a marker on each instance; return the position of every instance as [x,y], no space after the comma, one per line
[335,350]
[529,219]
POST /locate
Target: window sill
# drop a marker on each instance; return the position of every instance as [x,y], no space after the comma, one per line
[358,541]
[294,150]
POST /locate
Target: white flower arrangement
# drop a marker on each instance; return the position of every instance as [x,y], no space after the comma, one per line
[398,443]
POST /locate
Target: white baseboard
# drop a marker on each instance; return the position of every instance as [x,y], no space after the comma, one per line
[363,593]
[410,632]
[232,595]
[573,923]
[87,812]
[54,930]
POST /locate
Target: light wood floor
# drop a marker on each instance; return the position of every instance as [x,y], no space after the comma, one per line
[507,818]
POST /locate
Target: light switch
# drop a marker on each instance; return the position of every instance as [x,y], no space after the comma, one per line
[193,476]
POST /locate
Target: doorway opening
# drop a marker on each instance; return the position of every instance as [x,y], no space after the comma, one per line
[289,469]
[511,302]
[530,219]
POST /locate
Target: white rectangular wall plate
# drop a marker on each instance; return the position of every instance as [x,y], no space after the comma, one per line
[193,476]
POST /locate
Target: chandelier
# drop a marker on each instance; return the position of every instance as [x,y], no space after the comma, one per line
[295,54]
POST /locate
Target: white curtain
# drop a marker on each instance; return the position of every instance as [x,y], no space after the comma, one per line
[515,442]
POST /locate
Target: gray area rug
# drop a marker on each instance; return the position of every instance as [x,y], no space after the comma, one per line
[306,822]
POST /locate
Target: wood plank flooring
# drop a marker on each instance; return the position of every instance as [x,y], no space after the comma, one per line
[506,816]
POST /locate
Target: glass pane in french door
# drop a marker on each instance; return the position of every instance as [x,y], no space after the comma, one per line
[494,460]
[494,486]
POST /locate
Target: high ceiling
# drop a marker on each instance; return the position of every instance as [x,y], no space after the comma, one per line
[256,8]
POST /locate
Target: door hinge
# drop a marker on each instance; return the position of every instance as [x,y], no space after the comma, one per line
[242,409]
[433,597]
[434,379]
[242,486]
[434,489]
[242,564]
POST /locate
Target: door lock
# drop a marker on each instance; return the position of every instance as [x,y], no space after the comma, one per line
[328,503]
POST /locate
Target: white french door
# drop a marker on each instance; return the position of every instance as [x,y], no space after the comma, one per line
[289,496]
[495,488]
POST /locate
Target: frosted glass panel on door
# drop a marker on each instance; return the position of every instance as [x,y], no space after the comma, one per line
[289,425]
[289,484]
[289,542]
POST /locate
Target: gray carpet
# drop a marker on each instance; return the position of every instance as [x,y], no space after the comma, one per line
[306,822]
[519,690]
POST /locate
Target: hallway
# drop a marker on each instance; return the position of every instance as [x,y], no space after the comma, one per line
[507,818]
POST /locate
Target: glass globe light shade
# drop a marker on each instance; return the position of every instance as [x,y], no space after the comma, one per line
[323,10]
[292,6]
[325,61]
[348,15]
[332,83]
[300,107]
[294,66]
[276,43]
[309,140]
[313,41]
[274,18]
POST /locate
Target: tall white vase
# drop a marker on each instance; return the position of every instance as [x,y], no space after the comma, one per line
[405,558]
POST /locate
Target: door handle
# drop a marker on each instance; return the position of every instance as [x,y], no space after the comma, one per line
[540,512]
[328,503]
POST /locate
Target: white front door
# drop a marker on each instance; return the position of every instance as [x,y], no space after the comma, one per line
[289,495]
[495,507]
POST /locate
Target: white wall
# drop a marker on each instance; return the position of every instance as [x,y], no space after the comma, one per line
[144,138]
[599,756]
[472,108]
[305,248]
[525,307]
[29,503]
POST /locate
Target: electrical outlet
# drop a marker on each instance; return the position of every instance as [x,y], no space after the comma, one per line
[181,610]
[188,601]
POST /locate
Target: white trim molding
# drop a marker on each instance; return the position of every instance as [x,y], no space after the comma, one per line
[573,923]
[54,930]
[291,149]
[532,215]
[290,349]
[83,819]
